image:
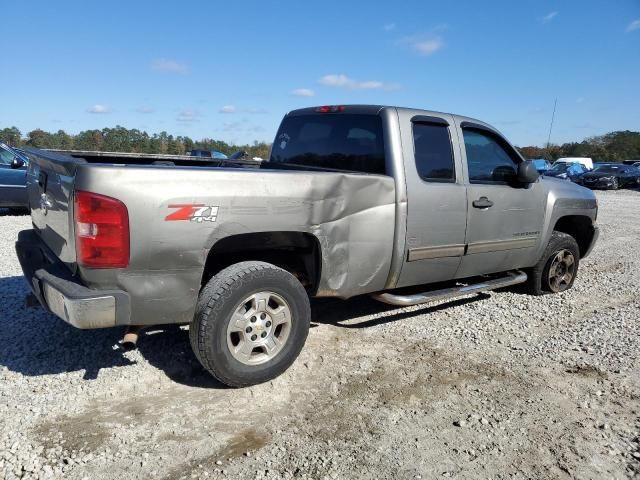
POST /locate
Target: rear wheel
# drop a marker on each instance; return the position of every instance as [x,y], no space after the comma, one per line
[614,184]
[557,268]
[251,323]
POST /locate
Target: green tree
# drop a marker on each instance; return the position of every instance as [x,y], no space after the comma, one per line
[40,139]
[11,136]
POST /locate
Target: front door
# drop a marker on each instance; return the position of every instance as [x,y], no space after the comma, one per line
[504,218]
[437,210]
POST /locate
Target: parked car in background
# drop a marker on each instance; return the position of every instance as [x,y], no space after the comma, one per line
[637,165]
[633,163]
[611,176]
[541,164]
[566,171]
[13,178]
[208,154]
[586,161]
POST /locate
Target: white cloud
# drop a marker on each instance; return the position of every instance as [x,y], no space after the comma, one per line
[428,47]
[169,66]
[389,27]
[548,17]
[343,81]
[145,109]
[188,115]
[635,25]
[228,109]
[99,108]
[303,92]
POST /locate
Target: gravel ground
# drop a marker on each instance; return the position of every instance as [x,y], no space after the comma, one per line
[498,385]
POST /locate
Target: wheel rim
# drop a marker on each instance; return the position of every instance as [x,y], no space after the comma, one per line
[259,328]
[561,270]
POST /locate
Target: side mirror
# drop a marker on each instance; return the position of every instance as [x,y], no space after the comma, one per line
[527,172]
[17,162]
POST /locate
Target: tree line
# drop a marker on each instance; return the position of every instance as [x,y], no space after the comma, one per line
[120,139]
[611,147]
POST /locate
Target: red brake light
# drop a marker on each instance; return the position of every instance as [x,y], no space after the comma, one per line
[102,231]
[330,109]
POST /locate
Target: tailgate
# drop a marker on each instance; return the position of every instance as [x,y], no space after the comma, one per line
[50,192]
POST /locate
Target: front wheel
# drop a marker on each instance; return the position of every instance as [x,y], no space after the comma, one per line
[557,268]
[251,322]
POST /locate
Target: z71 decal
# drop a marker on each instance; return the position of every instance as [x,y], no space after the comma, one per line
[195,212]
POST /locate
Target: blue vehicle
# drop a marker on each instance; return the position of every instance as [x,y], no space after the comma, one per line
[13,178]
[541,164]
[208,154]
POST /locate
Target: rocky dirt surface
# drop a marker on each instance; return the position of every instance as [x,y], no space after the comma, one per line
[499,385]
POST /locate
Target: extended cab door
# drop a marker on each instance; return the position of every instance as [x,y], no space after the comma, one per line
[505,218]
[437,202]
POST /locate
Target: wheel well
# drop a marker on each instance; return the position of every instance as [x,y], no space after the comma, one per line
[579,227]
[297,252]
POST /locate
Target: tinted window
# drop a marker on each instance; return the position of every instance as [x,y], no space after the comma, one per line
[334,141]
[487,160]
[433,152]
[560,167]
[609,169]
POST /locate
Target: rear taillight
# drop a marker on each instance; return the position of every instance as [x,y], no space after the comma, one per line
[102,231]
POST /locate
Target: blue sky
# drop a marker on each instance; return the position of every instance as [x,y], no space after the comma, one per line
[230,70]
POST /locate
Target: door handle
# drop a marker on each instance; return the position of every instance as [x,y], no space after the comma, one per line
[482,202]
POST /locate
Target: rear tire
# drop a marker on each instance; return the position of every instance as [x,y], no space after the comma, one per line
[614,184]
[251,322]
[557,268]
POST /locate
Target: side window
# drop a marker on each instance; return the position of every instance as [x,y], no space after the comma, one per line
[487,160]
[6,157]
[433,152]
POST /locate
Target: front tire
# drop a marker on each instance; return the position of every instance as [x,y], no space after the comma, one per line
[557,268]
[251,322]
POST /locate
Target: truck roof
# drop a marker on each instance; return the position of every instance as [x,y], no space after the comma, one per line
[376,109]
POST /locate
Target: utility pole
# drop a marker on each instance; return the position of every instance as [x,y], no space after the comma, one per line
[553,116]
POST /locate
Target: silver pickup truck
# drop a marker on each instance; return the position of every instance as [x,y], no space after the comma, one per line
[353,200]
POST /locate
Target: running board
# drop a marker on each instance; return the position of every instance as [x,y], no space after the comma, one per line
[508,279]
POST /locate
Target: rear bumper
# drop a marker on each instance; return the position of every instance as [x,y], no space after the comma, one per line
[60,292]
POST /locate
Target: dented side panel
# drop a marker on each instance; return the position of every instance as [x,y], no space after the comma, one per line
[177,214]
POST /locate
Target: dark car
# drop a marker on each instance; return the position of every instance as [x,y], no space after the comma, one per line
[541,164]
[566,170]
[611,176]
[13,178]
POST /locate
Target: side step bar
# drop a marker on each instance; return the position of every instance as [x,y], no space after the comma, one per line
[508,279]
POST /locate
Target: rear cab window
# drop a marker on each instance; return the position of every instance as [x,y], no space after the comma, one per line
[330,141]
[433,152]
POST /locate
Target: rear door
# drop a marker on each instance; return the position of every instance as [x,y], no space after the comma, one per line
[504,219]
[437,207]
